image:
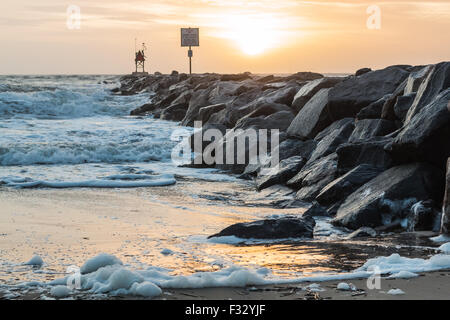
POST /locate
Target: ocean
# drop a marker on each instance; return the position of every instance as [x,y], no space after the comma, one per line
[70,131]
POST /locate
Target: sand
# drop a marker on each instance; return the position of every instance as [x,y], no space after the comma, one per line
[66,227]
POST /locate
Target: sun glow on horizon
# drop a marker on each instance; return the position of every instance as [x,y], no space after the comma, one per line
[254,35]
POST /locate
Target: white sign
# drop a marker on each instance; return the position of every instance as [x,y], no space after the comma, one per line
[190,37]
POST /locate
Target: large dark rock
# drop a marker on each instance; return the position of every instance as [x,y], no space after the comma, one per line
[236,77]
[199,99]
[286,149]
[284,95]
[310,89]
[373,110]
[350,155]
[334,126]
[445,225]
[364,232]
[362,71]
[332,140]
[438,80]
[367,129]
[416,79]
[280,120]
[388,112]
[205,113]
[402,106]
[426,137]
[422,217]
[175,112]
[304,76]
[144,109]
[282,228]
[312,118]
[347,184]
[279,175]
[347,98]
[314,172]
[314,177]
[386,197]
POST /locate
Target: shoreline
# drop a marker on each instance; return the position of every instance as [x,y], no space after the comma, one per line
[124,217]
[339,172]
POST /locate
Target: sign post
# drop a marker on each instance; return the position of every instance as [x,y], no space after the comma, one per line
[190,37]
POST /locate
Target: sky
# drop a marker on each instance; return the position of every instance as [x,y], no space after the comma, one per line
[260,36]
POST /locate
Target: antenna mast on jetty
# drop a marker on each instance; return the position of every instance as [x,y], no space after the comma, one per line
[139,60]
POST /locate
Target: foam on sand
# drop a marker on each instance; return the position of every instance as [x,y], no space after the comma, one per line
[445,248]
[60,291]
[396,292]
[149,181]
[105,274]
[35,261]
[403,275]
[99,261]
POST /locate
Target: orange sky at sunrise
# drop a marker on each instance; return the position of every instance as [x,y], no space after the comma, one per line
[261,36]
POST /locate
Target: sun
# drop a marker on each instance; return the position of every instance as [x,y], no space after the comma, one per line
[254,35]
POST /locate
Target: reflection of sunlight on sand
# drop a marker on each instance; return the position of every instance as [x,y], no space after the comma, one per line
[67,227]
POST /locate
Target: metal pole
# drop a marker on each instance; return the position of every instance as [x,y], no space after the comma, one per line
[190,60]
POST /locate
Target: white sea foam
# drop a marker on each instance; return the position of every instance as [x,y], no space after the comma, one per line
[108,276]
[159,180]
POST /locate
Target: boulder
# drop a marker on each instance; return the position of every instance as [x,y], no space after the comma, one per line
[369,128]
[314,172]
[304,76]
[266,79]
[282,228]
[350,155]
[362,71]
[445,225]
[293,147]
[348,97]
[312,118]
[176,112]
[347,184]
[205,113]
[402,106]
[422,216]
[438,80]
[286,149]
[312,179]
[384,198]
[364,232]
[316,210]
[235,77]
[245,144]
[426,136]
[262,110]
[284,95]
[146,108]
[282,173]
[199,99]
[373,110]
[310,89]
[332,140]
[280,120]
[334,126]
[388,112]
[416,78]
